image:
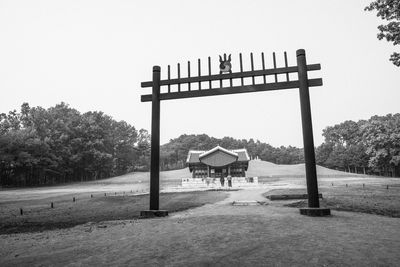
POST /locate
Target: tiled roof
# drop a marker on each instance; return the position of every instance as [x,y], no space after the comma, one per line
[218,148]
[242,153]
[194,155]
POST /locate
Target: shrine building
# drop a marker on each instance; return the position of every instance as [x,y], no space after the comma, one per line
[218,162]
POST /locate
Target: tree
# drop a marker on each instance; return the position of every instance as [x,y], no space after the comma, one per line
[323,152]
[381,136]
[143,150]
[388,10]
[343,147]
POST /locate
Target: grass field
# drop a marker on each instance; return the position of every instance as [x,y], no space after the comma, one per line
[137,182]
[372,198]
[40,216]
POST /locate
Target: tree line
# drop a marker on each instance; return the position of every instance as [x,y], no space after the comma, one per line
[58,145]
[367,146]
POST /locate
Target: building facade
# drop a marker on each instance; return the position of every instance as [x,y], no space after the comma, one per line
[218,162]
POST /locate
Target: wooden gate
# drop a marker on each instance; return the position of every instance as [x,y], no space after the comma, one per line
[205,88]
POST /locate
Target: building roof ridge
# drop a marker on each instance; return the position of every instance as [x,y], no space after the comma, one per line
[218,148]
[240,149]
[197,151]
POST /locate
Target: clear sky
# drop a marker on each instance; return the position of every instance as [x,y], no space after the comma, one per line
[93,54]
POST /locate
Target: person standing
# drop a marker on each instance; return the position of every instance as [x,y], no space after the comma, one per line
[222,180]
[229,181]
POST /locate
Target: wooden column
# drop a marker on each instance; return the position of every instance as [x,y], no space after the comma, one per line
[308,139]
[155,141]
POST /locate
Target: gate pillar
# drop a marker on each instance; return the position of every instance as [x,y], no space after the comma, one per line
[155,141]
[155,150]
[308,140]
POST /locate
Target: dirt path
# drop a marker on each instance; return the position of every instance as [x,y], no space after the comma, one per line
[216,234]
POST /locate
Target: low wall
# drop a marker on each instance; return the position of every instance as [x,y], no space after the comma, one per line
[215,182]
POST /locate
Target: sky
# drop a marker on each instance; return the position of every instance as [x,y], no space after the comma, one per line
[93,55]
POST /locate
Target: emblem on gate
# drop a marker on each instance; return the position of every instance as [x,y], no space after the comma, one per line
[225,64]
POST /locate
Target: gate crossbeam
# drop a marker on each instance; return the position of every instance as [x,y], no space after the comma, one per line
[232,90]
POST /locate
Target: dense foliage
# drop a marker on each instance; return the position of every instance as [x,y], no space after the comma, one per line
[59,144]
[368,146]
[388,10]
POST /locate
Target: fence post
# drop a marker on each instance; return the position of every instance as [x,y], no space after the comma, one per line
[155,141]
[308,139]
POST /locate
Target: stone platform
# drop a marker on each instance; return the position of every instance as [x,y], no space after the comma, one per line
[215,182]
[248,203]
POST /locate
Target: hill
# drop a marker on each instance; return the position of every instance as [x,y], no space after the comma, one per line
[265,168]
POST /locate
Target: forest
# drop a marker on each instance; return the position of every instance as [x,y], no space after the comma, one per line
[59,145]
[367,146]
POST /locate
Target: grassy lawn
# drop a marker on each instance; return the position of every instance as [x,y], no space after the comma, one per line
[38,216]
[373,199]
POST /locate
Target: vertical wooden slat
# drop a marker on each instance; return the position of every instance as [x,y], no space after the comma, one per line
[209,72]
[220,81]
[286,65]
[252,67]
[241,67]
[189,75]
[276,75]
[179,76]
[230,82]
[263,65]
[169,78]
[199,71]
